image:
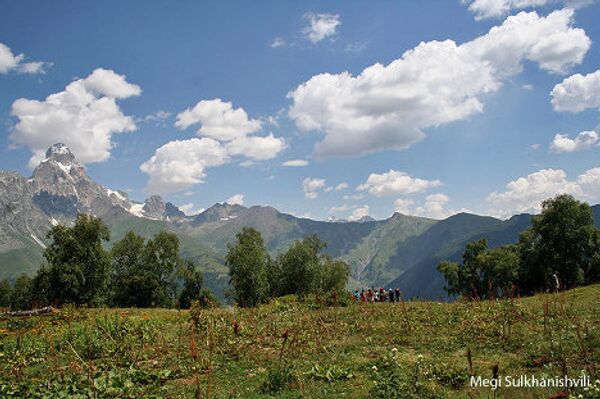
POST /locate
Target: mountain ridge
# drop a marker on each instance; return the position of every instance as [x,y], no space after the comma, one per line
[401,250]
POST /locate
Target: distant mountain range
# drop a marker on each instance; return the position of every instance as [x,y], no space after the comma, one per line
[400,251]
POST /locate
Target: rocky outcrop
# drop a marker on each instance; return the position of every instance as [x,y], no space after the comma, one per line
[156,208]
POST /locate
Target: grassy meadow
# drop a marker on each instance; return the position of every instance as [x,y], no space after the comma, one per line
[292,349]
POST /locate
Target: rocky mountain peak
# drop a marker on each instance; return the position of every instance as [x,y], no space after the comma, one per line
[61,187]
[156,208]
[60,163]
[60,153]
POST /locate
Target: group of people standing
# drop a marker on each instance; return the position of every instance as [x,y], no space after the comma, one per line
[380,295]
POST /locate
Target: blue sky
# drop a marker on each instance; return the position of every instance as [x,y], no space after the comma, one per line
[440,129]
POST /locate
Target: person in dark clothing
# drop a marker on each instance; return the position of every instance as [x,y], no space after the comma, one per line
[397,294]
[391,295]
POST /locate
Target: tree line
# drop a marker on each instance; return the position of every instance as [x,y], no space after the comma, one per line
[301,270]
[560,250]
[136,272]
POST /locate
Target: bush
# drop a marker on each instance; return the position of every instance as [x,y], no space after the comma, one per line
[278,379]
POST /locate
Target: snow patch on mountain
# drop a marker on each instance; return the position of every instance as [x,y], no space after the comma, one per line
[116,194]
[137,210]
[37,240]
[64,168]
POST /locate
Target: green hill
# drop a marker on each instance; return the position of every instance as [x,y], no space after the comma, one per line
[423,280]
[375,259]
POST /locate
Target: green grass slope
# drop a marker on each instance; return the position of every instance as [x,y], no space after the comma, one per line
[18,253]
[373,260]
[18,261]
[288,349]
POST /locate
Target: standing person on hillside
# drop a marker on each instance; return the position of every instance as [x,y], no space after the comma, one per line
[397,294]
[556,282]
[391,295]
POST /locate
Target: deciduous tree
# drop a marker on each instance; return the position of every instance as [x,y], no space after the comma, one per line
[247,260]
[562,240]
[78,264]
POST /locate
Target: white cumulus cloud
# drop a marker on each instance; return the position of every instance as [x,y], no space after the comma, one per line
[84,116]
[229,135]
[295,163]
[434,207]
[583,141]
[11,62]
[181,164]
[589,182]
[437,82]
[256,148]
[321,26]
[395,183]
[158,116]
[526,194]
[577,93]
[498,8]
[311,186]
[237,199]
[359,213]
[277,42]
[404,206]
[218,120]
